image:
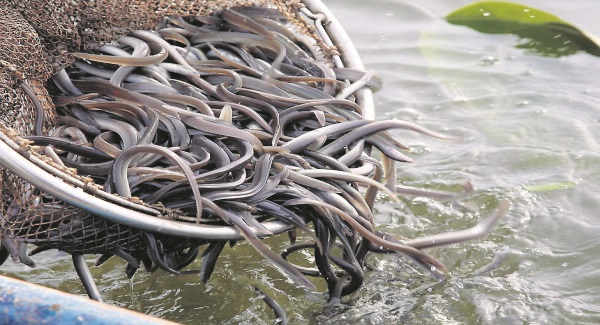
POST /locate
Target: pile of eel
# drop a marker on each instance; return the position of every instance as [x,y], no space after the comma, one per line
[236,119]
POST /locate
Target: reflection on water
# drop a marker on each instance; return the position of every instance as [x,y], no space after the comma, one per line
[529,126]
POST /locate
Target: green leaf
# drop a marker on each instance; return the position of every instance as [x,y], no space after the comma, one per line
[541,32]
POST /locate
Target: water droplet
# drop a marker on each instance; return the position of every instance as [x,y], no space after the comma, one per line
[529,73]
[460,99]
[486,14]
[487,61]
[523,103]
[565,264]
[429,289]
[554,209]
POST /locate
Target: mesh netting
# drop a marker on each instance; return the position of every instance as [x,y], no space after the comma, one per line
[244,132]
[38,37]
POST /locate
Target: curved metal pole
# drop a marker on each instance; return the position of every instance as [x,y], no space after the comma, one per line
[32,173]
[350,57]
[54,186]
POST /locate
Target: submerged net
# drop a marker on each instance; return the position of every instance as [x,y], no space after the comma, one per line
[38,39]
[242,99]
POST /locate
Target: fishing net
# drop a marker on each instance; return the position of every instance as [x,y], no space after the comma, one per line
[291,162]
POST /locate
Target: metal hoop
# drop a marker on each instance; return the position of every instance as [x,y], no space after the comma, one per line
[23,163]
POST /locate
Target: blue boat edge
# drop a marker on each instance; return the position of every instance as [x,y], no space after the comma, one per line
[26,303]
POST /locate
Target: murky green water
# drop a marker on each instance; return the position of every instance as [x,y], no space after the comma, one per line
[530,126]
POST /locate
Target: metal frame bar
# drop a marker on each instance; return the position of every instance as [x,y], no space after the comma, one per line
[46,178]
[349,54]
[56,187]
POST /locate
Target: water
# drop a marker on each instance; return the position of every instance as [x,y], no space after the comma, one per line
[529,126]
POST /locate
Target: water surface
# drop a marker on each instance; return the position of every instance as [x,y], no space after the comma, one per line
[529,130]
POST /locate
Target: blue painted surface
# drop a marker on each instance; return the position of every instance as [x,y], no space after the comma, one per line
[26,303]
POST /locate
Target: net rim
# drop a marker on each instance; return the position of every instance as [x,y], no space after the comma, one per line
[141,217]
[348,53]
